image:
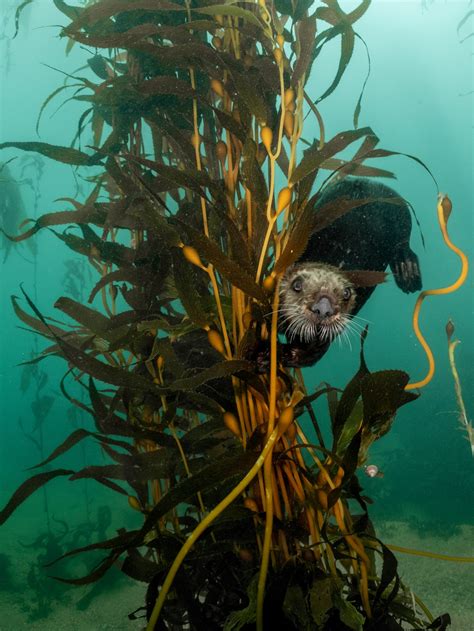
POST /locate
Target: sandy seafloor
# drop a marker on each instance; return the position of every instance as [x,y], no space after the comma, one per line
[443,586]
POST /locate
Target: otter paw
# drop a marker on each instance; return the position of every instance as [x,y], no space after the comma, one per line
[406,271]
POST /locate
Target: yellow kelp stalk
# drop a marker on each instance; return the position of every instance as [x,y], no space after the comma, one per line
[466,424]
[444,211]
[431,555]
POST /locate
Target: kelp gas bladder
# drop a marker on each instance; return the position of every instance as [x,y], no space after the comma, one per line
[200,199]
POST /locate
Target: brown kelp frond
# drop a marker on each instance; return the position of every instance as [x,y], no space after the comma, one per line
[12,208]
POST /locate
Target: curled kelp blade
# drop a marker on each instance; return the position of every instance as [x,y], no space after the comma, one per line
[66,155]
[29,487]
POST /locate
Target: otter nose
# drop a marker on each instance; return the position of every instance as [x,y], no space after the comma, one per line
[322,308]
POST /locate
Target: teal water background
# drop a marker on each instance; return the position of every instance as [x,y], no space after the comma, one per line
[418,102]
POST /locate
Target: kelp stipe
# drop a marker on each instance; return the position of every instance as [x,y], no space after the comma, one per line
[444,209]
[245,521]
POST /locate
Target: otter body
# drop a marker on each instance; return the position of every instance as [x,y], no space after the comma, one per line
[370,237]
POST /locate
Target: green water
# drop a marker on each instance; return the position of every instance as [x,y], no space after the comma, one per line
[418,102]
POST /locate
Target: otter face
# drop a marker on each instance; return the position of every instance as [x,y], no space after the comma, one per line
[316,301]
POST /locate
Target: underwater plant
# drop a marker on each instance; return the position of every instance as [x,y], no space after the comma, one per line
[12,209]
[201,197]
[6,574]
[466,424]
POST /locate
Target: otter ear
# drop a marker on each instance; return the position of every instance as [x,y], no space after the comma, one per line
[365,278]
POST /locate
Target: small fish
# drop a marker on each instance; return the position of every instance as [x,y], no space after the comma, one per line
[373,471]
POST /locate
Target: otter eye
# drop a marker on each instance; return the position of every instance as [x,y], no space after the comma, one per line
[297,285]
[346,294]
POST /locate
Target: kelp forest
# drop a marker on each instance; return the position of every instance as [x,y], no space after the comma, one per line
[203,155]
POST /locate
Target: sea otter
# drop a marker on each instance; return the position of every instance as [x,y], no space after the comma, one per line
[320,294]
[330,283]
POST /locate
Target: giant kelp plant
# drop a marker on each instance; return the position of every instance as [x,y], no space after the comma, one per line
[200,198]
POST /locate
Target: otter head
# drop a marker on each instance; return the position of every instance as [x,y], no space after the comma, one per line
[316,301]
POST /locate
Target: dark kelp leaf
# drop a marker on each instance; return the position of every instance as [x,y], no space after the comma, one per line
[139,568]
[93,576]
[191,400]
[93,320]
[218,371]
[119,472]
[306,30]
[229,122]
[365,278]
[73,439]
[305,186]
[164,347]
[127,275]
[389,570]
[384,153]
[107,251]
[441,623]
[28,487]
[98,65]
[46,329]
[228,268]
[347,48]
[50,98]
[194,437]
[210,476]
[351,456]
[310,221]
[95,368]
[151,218]
[352,427]
[314,156]
[186,178]
[295,606]
[107,422]
[112,40]
[352,167]
[165,85]
[328,213]
[251,94]
[67,155]
[348,613]
[350,394]
[71,12]
[57,219]
[185,283]
[251,173]
[320,600]
[359,100]
[232,10]
[383,393]
[103,10]
[239,247]
[301,8]
[194,54]
[95,323]
[120,542]
[358,12]
[18,12]
[299,236]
